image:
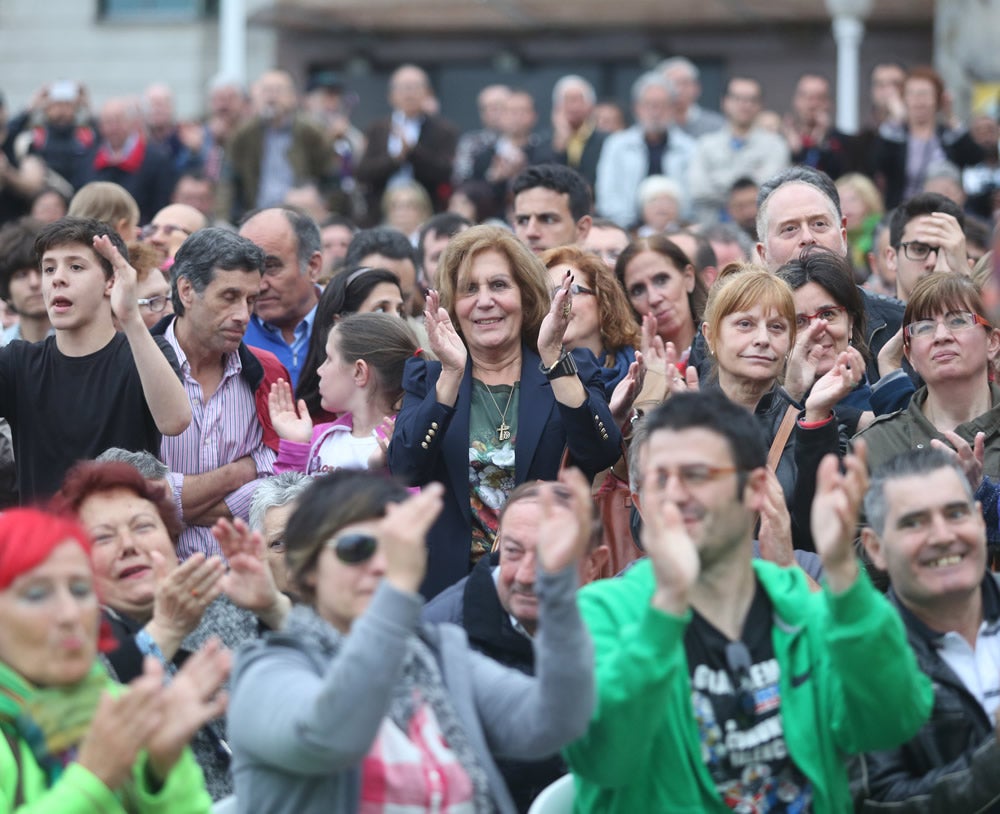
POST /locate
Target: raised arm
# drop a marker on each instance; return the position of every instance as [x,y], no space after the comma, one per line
[165,395]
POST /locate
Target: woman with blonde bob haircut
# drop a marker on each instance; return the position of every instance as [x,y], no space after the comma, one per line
[950,342]
[601,320]
[504,401]
[749,329]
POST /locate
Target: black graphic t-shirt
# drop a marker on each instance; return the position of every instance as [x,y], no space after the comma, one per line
[737,704]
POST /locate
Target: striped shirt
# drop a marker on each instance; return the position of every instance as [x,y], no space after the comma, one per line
[222,430]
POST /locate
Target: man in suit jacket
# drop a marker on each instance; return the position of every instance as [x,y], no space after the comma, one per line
[410,144]
[653,146]
[575,140]
[275,151]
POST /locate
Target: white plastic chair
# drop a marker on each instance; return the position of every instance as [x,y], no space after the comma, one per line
[227,805]
[556,798]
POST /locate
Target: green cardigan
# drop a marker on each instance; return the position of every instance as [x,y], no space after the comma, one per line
[849,683]
[78,791]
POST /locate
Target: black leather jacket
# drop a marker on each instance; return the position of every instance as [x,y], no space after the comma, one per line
[952,765]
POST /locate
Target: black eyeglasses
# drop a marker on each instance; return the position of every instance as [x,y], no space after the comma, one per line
[154,304]
[575,288]
[738,663]
[916,251]
[354,549]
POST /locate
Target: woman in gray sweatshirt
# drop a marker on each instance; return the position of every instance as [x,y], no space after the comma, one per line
[356,706]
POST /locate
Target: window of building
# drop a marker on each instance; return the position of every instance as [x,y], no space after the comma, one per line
[153,10]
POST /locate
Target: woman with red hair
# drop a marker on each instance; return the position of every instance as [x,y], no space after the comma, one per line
[72,739]
[156,606]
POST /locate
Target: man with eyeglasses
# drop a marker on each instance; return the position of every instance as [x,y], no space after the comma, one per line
[926,530]
[725,683]
[169,228]
[926,233]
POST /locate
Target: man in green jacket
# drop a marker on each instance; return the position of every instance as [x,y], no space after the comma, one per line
[725,684]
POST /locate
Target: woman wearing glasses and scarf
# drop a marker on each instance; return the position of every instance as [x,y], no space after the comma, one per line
[949,341]
[357,706]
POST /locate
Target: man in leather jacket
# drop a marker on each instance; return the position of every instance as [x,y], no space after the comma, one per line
[928,533]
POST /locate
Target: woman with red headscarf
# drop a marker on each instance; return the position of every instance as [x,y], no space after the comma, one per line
[72,739]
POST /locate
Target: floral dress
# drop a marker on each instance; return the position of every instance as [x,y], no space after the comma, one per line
[491,460]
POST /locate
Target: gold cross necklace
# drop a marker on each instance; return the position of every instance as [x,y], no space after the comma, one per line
[503,431]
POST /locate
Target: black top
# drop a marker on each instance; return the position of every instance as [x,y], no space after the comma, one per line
[63,409]
[736,697]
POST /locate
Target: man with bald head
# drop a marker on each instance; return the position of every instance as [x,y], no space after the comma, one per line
[409,145]
[126,157]
[286,306]
[170,227]
[279,148]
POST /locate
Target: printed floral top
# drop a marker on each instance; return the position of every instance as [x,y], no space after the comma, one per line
[491,460]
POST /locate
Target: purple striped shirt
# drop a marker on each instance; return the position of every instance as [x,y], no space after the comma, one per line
[222,430]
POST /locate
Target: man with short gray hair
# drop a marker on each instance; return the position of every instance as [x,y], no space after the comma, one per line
[799,208]
[654,145]
[928,532]
[691,117]
[576,142]
[230,442]
[283,316]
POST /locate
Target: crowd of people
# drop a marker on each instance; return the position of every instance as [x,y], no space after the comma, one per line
[417,470]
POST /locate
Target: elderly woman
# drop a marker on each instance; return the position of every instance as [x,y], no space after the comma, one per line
[155,606]
[505,400]
[660,201]
[601,320]
[830,321]
[73,740]
[661,284]
[749,328]
[377,711]
[358,291]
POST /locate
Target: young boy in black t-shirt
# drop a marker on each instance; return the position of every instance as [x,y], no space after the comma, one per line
[89,387]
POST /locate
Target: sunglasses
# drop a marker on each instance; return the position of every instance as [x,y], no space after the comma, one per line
[738,663]
[355,548]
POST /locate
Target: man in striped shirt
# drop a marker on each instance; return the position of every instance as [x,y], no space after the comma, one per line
[216,462]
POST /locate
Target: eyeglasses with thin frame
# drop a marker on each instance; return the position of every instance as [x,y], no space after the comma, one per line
[917,251]
[829,314]
[691,476]
[953,321]
[155,304]
[353,548]
[576,288]
[168,229]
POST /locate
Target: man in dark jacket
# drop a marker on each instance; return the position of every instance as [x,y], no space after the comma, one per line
[800,207]
[927,532]
[497,606]
[409,144]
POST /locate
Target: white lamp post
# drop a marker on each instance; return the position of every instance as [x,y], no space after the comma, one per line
[233,40]
[848,31]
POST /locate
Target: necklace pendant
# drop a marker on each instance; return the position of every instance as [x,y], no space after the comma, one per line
[503,431]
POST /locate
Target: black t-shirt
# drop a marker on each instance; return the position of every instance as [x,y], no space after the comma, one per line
[63,409]
[737,700]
